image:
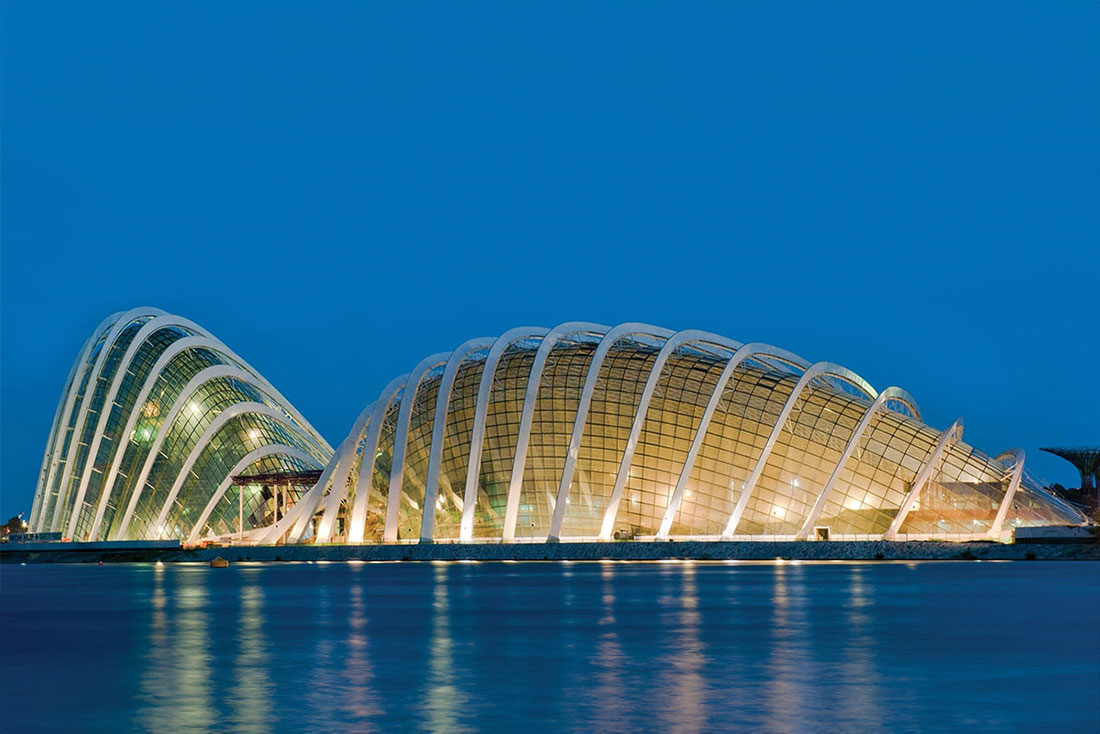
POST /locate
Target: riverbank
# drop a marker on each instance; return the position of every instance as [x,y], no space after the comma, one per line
[618,551]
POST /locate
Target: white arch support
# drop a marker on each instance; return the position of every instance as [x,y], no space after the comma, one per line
[250,458]
[343,459]
[609,340]
[890,393]
[473,468]
[147,329]
[89,396]
[80,367]
[817,370]
[948,437]
[233,411]
[559,334]
[200,379]
[401,439]
[674,342]
[439,429]
[746,352]
[389,393]
[1010,494]
[55,428]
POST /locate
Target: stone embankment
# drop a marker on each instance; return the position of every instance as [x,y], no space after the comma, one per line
[617,551]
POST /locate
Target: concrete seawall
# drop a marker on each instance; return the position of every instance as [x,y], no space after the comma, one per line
[618,551]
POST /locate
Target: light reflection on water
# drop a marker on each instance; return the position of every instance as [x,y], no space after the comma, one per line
[678,647]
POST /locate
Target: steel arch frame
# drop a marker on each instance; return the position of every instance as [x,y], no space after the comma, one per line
[481,411]
[555,336]
[745,352]
[890,393]
[819,369]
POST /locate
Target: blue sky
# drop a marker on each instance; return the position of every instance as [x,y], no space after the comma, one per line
[338,189]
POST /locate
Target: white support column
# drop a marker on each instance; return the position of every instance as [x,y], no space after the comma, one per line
[249,459]
[401,439]
[473,468]
[948,437]
[224,417]
[1010,493]
[200,378]
[439,430]
[370,455]
[344,458]
[817,370]
[56,429]
[674,342]
[745,352]
[890,393]
[550,341]
[89,396]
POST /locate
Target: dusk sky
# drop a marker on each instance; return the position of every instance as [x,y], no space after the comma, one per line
[339,189]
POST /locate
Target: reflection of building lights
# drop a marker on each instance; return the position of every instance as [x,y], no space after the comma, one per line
[779,512]
[193,407]
[688,493]
[253,434]
[150,409]
[794,482]
[853,504]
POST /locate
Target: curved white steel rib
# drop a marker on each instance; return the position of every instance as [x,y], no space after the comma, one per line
[147,329]
[200,378]
[674,342]
[42,485]
[817,370]
[250,458]
[370,456]
[473,468]
[1010,493]
[890,393]
[439,429]
[401,439]
[344,457]
[515,483]
[89,395]
[746,352]
[233,411]
[949,436]
[610,338]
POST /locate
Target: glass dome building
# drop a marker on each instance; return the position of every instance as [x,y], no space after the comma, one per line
[155,419]
[586,432]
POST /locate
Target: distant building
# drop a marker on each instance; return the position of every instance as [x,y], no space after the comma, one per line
[576,432]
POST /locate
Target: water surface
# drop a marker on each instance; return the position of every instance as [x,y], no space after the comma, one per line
[569,647]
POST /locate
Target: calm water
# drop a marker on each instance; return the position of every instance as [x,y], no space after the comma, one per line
[573,647]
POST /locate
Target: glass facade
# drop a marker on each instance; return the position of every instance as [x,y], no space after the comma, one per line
[638,432]
[961,496]
[155,416]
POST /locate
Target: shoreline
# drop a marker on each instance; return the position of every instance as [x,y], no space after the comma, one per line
[583,551]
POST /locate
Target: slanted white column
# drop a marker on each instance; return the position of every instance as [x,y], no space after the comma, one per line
[370,455]
[473,468]
[439,430]
[1010,493]
[949,436]
[745,352]
[557,335]
[890,393]
[343,459]
[816,370]
[623,331]
[401,439]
